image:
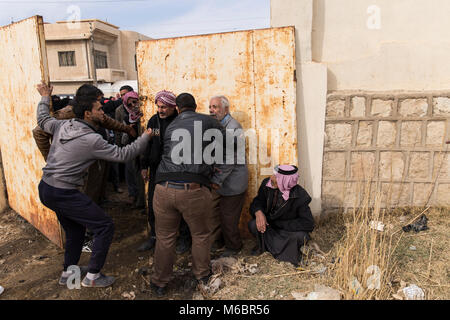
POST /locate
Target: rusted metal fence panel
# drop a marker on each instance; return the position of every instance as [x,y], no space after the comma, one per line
[23,64]
[254,69]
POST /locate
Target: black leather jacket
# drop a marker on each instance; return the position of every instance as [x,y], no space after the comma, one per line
[192,166]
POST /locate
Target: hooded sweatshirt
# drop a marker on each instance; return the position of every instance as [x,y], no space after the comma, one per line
[75,146]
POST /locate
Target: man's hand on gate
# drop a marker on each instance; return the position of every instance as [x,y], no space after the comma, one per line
[261,221]
[44,90]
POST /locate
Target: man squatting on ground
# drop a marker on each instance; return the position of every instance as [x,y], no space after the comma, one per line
[281,215]
[183,190]
[229,199]
[167,112]
[76,145]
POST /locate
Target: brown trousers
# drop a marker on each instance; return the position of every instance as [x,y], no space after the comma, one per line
[170,205]
[225,218]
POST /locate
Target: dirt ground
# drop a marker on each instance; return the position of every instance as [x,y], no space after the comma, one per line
[30,265]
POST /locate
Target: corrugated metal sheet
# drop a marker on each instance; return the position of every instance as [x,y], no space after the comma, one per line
[23,64]
[254,69]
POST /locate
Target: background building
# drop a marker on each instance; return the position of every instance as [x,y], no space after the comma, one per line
[75,50]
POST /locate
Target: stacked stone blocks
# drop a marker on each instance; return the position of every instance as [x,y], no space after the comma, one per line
[391,145]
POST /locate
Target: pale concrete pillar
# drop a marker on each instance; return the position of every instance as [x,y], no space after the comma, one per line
[311,94]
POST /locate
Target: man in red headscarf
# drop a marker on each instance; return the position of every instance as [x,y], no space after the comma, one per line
[129,113]
[282,219]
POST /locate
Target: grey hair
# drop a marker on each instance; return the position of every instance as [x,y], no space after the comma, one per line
[223,101]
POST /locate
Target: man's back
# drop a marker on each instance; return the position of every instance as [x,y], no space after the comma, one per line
[183,159]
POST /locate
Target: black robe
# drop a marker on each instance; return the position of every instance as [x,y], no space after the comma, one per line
[289,221]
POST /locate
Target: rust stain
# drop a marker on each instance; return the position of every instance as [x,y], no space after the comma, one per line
[23,46]
[252,68]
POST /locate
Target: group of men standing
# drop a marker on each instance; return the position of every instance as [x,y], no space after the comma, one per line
[201,200]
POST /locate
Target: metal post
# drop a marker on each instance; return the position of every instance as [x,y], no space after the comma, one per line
[94,70]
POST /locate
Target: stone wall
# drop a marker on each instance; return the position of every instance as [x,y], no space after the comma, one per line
[389,144]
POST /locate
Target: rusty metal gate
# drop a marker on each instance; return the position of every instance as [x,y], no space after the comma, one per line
[23,63]
[255,69]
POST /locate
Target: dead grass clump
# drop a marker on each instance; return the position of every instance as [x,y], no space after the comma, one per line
[363,266]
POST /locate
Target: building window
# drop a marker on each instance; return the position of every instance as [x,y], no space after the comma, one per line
[100,59]
[66,58]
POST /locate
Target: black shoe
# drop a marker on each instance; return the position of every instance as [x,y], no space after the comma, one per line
[256,251]
[217,245]
[147,245]
[230,253]
[159,291]
[182,247]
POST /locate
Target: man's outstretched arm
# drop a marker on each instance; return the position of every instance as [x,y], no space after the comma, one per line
[44,120]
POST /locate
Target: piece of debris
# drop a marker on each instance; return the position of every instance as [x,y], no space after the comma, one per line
[412,248]
[129,295]
[143,271]
[1,290]
[197,296]
[223,264]
[320,269]
[355,286]
[213,285]
[251,268]
[420,225]
[2,261]
[413,292]
[376,225]
[320,292]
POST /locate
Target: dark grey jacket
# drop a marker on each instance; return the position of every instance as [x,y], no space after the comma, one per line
[184,147]
[236,181]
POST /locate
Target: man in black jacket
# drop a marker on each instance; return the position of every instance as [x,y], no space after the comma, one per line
[281,215]
[165,101]
[183,181]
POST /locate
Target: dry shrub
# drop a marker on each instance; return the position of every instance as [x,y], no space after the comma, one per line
[365,253]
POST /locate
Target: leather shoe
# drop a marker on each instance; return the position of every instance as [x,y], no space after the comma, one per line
[159,291]
[147,245]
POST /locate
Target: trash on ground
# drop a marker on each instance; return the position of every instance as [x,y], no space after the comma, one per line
[412,248]
[320,292]
[376,225]
[413,292]
[1,290]
[355,286]
[129,295]
[2,261]
[225,264]
[420,225]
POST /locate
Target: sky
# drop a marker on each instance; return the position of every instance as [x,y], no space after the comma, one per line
[153,18]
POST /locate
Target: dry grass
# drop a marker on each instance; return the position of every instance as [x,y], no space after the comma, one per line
[354,250]
[363,267]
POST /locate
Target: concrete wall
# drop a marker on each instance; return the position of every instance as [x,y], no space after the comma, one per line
[128,46]
[367,47]
[382,44]
[79,71]
[394,140]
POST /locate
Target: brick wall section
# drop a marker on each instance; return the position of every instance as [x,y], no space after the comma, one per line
[395,140]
